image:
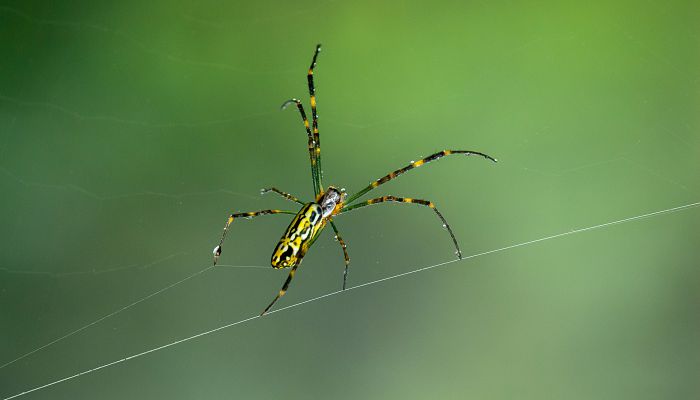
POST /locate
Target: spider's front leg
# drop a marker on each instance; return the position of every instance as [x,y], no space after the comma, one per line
[409,200]
[414,164]
[283,194]
[247,215]
[345,252]
[315,172]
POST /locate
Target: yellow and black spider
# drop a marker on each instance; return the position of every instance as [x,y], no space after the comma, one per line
[313,217]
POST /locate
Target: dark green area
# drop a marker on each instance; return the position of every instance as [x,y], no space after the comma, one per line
[129,131]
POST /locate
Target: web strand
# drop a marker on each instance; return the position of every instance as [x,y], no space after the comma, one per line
[106,316]
[143,353]
[124,308]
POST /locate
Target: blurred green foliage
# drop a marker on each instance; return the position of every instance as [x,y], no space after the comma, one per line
[129,130]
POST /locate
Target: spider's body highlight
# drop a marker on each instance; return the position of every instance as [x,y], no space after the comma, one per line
[312,218]
[292,247]
[305,227]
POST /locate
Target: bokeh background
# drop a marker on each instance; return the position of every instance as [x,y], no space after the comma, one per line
[129,131]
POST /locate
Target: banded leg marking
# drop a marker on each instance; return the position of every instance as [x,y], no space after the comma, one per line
[345,252]
[409,200]
[314,115]
[415,164]
[232,217]
[283,290]
[283,194]
[311,144]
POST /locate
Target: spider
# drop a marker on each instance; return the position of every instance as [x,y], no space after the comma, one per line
[311,219]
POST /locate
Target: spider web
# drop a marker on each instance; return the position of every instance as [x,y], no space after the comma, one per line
[122,151]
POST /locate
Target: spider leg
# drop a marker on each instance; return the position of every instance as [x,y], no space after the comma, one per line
[314,115]
[311,145]
[345,252]
[232,217]
[283,194]
[412,165]
[427,203]
[283,290]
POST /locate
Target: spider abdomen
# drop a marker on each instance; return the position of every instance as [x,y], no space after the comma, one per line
[298,237]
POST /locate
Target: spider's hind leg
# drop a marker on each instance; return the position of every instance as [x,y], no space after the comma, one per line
[283,290]
[315,172]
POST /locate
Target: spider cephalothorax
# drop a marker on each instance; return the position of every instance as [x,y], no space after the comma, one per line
[331,201]
[308,223]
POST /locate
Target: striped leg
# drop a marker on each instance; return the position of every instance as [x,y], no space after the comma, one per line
[430,204]
[247,215]
[311,145]
[283,194]
[283,290]
[414,164]
[314,115]
[345,252]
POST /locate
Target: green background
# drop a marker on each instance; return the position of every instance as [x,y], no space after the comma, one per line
[129,131]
